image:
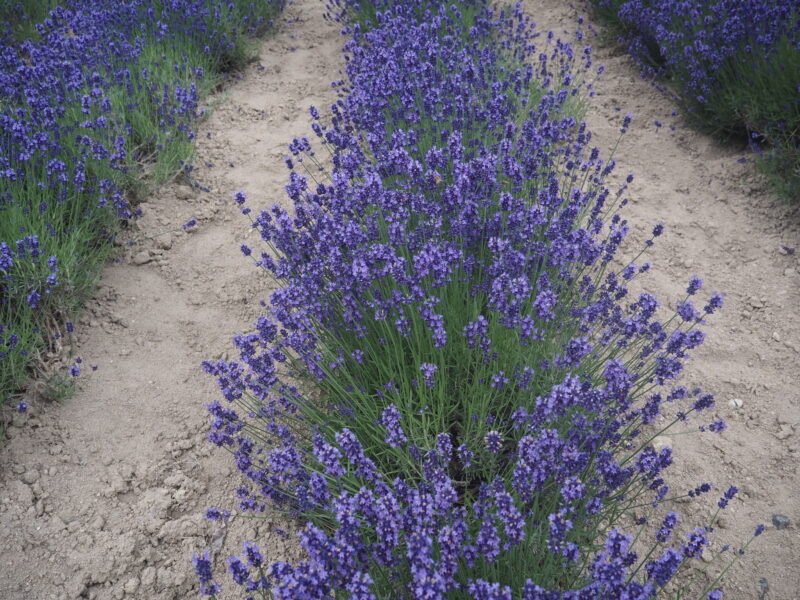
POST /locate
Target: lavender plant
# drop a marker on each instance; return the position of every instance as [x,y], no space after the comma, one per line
[453,387]
[733,64]
[104,94]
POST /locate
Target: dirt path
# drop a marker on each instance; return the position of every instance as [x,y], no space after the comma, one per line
[723,225]
[103,496]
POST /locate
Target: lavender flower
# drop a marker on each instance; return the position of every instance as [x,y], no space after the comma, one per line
[395,436]
[493,442]
[428,372]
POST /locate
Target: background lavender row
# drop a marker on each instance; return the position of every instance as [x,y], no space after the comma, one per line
[97,99]
[734,65]
[454,387]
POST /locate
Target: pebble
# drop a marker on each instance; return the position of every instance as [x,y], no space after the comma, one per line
[780,521]
[141,258]
[164,242]
[22,492]
[763,588]
[184,192]
[736,403]
[148,577]
[18,469]
[131,585]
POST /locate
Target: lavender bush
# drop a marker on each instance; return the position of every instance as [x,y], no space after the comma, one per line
[733,63]
[453,387]
[102,94]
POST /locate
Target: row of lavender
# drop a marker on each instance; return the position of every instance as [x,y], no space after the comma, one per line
[102,97]
[735,65]
[454,390]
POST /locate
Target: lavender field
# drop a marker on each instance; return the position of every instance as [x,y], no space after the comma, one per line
[486,318]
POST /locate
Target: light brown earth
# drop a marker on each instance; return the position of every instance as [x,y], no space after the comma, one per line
[103,496]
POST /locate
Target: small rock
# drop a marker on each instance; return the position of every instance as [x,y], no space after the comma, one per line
[776,336]
[785,432]
[22,493]
[184,192]
[118,484]
[148,577]
[736,402]
[763,588]
[98,523]
[18,469]
[218,539]
[131,585]
[30,476]
[37,490]
[52,471]
[165,577]
[780,521]
[164,242]
[141,258]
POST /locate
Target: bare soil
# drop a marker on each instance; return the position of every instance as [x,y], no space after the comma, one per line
[103,495]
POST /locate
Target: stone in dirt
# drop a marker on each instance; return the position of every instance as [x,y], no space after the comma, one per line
[141,258]
[21,493]
[164,242]
[781,521]
[184,192]
[30,476]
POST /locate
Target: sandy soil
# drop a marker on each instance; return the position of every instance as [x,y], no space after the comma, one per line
[103,496]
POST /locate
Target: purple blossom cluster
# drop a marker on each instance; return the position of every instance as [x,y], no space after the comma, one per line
[694,40]
[421,540]
[472,375]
